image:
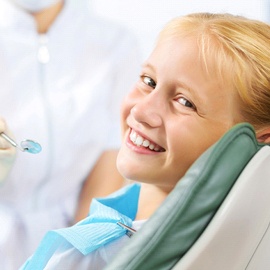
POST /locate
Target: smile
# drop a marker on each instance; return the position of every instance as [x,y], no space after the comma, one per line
[140,141]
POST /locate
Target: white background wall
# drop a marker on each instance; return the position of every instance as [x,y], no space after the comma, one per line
[147,17]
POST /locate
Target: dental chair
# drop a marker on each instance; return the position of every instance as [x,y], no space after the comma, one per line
[216,218]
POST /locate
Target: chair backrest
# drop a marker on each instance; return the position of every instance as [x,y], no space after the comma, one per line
[238,237]
[180,221]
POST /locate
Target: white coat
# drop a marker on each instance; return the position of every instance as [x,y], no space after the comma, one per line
[62,89]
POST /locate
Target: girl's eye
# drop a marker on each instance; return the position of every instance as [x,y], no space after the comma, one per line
[186,103]
[149,81]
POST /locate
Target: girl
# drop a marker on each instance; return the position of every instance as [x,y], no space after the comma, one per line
[207,73]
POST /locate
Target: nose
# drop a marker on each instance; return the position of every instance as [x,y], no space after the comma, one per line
[149,110]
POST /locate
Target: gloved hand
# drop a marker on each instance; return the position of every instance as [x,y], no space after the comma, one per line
[7,152]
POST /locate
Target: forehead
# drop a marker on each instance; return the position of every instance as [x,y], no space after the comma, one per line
[197,52]
[176,51]
[177,63]
[202,47]
[179,58]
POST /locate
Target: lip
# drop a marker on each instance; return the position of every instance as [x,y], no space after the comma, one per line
[141,149]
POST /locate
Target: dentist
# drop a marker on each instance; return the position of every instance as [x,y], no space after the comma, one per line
[7,153]
[63,73]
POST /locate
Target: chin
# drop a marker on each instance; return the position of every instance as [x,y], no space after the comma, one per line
[121,166]
[126,170]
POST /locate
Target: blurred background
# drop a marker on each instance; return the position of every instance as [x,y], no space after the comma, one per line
[147,17]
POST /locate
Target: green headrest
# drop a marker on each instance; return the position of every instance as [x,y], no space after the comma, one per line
[186,212]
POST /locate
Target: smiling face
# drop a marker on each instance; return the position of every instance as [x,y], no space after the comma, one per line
[174,113]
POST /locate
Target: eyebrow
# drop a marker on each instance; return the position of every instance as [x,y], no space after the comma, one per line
[188,88]
[194,93]
[148,65]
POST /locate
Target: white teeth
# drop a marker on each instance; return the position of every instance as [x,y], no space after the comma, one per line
[151,146]
[133,136]
[146,143]
[140,141]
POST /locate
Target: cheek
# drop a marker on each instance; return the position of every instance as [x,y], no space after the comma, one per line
[194,142]
[186,144]
[128,103]
[125,110]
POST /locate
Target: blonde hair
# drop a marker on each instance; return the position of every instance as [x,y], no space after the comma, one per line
[239,52]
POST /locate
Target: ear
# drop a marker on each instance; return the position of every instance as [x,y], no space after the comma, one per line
[263,136]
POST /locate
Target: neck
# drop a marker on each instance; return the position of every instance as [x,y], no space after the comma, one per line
[150,199]
[45,18]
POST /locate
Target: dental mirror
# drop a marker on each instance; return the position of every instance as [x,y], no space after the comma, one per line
[29,146]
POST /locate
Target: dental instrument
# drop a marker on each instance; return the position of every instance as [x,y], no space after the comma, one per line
[130,231]
[29,146]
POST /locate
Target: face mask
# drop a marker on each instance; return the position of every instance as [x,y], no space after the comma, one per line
[34,5]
